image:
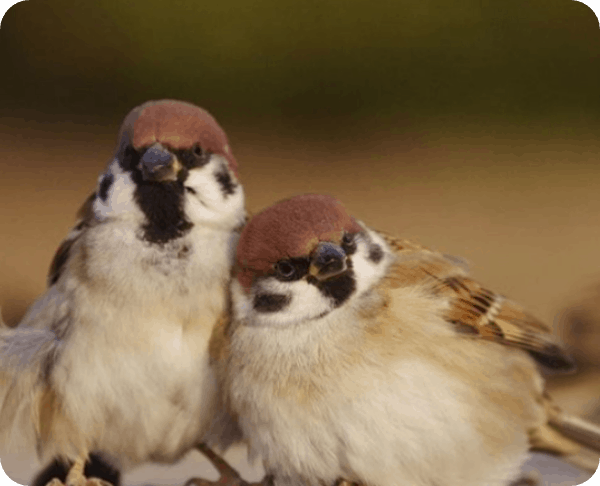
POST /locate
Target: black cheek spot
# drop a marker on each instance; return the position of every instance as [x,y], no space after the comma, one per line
[225,181]
[107,181]
[270,302]
[375,253]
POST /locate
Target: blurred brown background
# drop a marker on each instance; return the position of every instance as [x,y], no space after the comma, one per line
[470,125]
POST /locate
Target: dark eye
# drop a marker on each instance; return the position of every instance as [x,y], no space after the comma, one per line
[348,243]
[291,269]
[194,157]
[285,269]
[198,152]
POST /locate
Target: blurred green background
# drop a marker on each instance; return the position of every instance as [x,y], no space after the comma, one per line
[470,125]
[306,65]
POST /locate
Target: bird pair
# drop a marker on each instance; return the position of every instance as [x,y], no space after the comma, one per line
[335,351]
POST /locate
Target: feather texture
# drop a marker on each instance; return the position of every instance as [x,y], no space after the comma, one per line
[420,376]
[113,357]
[475,310]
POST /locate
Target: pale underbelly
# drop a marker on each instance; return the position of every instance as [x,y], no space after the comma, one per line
[138,410]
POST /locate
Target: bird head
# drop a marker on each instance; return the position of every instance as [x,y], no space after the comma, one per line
[303,258]
[173,167]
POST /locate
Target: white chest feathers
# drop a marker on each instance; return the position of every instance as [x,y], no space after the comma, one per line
[134,374]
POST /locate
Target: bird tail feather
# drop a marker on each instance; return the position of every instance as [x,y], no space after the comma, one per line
[574,439]
[575,428]
[25,347]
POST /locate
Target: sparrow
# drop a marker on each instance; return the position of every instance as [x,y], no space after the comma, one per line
[110,366]
[350,354]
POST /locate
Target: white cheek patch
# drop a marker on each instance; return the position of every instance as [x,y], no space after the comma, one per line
[119,197]
[368,273]
[301,301]
[202,181]
[305,302]
[242,303]
[206,201]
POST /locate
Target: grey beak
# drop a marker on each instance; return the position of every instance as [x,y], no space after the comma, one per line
[327,261]
[158,164]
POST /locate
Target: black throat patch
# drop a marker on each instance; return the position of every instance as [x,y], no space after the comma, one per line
[338,288]
[161,203]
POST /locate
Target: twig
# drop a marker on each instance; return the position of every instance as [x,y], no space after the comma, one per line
[228,475]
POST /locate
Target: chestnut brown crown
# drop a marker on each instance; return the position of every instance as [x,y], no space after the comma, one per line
[291,228]
[177,125]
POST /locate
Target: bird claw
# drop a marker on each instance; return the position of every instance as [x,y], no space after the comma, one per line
[83,481]
[76,476]
[228,475]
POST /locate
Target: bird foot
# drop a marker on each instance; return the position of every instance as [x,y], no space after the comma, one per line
[83,481]
[228,475]
[76,476]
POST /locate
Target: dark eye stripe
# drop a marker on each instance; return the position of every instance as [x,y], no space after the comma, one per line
[300,266]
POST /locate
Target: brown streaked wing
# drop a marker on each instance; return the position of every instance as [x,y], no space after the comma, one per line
[474,310]
[85,212]
[85,216]
[59,261]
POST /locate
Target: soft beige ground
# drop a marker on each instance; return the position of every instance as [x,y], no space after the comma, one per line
[523,209]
